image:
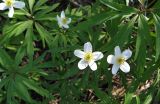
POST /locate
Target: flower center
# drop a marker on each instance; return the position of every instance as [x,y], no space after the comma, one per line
[88,56]
[9,2]
[120,60]
[64,20]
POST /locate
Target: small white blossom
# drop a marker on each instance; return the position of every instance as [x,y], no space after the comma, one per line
[119,60]
[88,57]
[11,4]
[63,21]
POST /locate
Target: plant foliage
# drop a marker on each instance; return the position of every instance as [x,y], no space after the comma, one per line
[37,64]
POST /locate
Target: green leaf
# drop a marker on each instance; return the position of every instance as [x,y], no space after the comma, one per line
[15,30]
[32,85]
[3,82]
[95,20]
[121,37]
[148,99]
[7,30]
[157,96]
[47,9]
[22,27]
[31,3]
[128,98]
[29,41]
[70,73]
[21,90]
[5,60]
[138,100]
[39,4]
[45,35]
[20,54]
[104,98]
[142,38]
[156,5]
[157,28]
[143,34]
[10,91]
[150,70]
[85,79]
[157,80]
[21,12]
[119,7]
[47,17]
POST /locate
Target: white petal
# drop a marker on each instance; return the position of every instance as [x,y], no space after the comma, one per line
[97,55]
[88,47]
[58,19]
[60,25]
[65,26]
[69,20]
[115,69]
[79,53]
[117,51]
[82,64]
[111,59]
[63,14]
[93,65]
[125,67]
[11,12]
[3,6]
[19,4]
[127,54]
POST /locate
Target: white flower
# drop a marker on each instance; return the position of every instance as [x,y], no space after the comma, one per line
[11,4]
[119,60]
[88,57]
[63,21]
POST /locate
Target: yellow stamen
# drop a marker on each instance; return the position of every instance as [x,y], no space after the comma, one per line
[120,60]
[9,2]
[88,56]
[64,20]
